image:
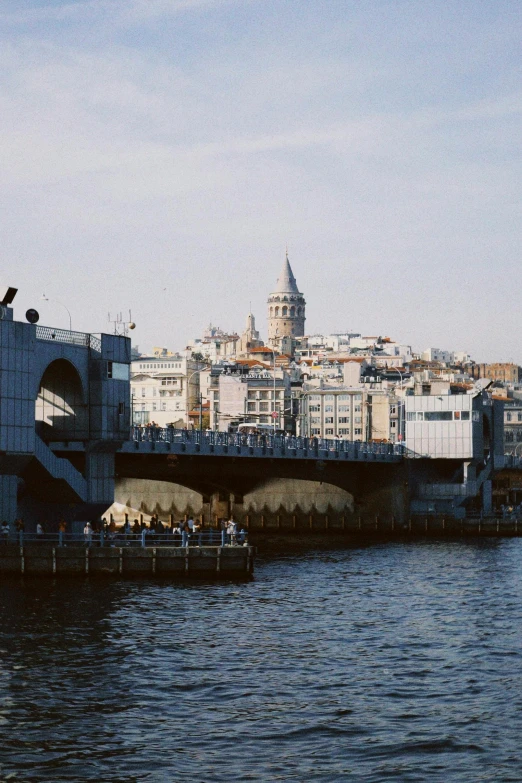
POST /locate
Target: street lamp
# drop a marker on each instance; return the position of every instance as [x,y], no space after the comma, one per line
[46,299]
[400,408]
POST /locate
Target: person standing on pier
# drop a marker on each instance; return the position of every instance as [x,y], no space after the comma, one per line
[231,530]
[87,533]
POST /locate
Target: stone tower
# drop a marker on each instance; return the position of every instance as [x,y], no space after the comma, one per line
[286,307]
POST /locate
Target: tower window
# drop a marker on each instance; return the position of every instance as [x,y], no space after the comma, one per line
[277,312]
[292,311]
[285,311]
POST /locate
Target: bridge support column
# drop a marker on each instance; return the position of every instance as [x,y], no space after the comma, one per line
[219,506]
[487,497]
[8,498]
[100,476]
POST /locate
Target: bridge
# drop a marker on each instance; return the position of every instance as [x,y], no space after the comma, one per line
[66,438]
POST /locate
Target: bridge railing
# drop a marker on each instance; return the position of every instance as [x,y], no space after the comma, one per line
[152,434]
[143,538]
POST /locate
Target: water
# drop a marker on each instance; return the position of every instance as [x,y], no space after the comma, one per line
[389,662]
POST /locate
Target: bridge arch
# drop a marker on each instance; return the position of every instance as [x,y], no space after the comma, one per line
[61,411]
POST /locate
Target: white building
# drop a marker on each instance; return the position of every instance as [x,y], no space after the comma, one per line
[444,426]
[164,388]
[445,357]
[215,345]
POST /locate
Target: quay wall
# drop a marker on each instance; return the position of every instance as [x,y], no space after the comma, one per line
[363,530]
[77,560]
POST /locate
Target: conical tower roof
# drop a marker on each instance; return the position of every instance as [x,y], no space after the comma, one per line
[286,283]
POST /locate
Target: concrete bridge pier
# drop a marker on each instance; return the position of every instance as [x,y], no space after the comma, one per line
[219,507]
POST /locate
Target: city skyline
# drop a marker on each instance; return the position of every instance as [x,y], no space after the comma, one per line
[159,157]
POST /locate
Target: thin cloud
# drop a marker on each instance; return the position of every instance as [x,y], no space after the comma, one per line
[122,11]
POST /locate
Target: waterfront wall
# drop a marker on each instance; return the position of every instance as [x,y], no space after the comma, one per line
[77,560]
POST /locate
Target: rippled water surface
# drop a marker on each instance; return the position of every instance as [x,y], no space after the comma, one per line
[387,662]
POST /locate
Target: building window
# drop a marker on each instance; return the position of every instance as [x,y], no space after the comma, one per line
[316,431]
[163,406]
[357,409]
[344,419]
[118,371]
[251,394]
[438,415]
[357,397]
[314,408]
[329,431]
[329,420]
[264,419]
[357,431]
[263,406]
[251,406]
[329,397]
[328,408]
[344,431]
[264,395]
[357,420]
[465,415]
[508,416]
[143,391]
[315,420]
[344,408]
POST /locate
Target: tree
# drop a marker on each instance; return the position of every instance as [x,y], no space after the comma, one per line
[197,356]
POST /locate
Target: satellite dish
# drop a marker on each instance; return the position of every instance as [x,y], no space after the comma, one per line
[32,316]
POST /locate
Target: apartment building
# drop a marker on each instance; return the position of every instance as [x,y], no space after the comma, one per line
[164,388]
[354,414]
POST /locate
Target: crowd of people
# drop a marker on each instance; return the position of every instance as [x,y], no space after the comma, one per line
[187,532]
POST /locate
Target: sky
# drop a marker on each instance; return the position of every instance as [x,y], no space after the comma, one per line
[159,156]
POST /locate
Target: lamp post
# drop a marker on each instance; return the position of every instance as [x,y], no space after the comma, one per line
[400,408]
[46,299]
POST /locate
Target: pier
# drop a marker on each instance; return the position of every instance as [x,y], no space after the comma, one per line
[49,558]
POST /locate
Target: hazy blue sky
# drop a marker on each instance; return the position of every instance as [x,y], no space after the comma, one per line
[159,155]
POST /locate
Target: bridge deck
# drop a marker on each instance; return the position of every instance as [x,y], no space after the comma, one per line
[222,444]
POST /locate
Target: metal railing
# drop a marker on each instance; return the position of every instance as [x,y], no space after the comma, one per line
[66,336]
[145,538]
[151,434]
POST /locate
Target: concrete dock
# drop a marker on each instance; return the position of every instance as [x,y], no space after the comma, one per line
[78,560]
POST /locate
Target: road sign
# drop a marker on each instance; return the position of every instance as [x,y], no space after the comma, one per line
[275,415]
